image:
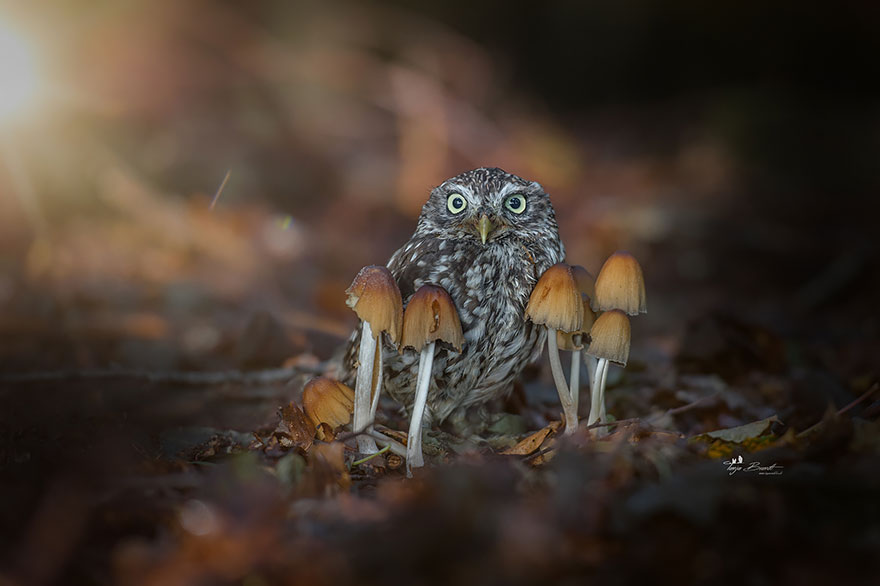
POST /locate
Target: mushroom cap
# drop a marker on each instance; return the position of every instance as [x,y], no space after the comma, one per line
[574,340]
[585,280]
[375,297]
[620,285]
[556,300]
[610,337]
[328,401]
[570,341]
[431,317]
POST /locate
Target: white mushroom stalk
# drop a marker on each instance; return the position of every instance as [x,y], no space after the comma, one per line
[619,291]
[569,407]
[597,392]
[574,379]
[414,456]
[430,317]
[375,297]
[556,303]
[610,341]
[363,390]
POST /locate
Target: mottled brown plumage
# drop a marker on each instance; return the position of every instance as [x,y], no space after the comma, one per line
[485,237]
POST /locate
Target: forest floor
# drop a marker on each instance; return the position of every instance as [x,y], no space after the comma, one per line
[149,435]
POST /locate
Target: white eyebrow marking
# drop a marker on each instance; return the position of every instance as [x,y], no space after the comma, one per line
[465,191]
[508,187]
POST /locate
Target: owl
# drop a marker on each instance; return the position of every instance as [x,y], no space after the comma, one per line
[485,236]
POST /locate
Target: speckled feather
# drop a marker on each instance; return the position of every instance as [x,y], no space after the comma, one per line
[490,284]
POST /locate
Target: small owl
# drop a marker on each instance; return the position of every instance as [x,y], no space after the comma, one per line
[485,236]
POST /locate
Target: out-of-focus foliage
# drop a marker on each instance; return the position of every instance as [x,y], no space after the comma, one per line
[732,149]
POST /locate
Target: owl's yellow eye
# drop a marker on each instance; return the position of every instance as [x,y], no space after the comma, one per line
[456,203]
[516,204]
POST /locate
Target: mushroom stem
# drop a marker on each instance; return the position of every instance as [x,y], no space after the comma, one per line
[597,391]
[571,420]
[363,382]
[575,380]
[591,362]
[378,391]
[394,446]
[414,457]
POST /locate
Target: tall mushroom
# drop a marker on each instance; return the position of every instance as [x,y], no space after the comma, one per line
[610,340]
[586,283]
[430,317]
[375,297]
[574,343]
[556,303]
[620,286]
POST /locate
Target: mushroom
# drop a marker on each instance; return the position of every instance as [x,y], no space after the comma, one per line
[430,317]
[610,340]
[375,297]
[620,285]
[556,303]
[586,283]
[574,343]
[329,402]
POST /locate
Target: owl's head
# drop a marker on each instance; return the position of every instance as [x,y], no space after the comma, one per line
[488,205]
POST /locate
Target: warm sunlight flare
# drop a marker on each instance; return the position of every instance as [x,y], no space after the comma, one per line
[18,74]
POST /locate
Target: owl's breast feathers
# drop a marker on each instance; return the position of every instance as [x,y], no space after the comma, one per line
[490,285]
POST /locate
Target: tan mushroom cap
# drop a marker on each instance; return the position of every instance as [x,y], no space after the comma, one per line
[375,297]
[328,401]
[574,340]
[431,317]
[621,285]
[585,280]
[556,301]
[611,337]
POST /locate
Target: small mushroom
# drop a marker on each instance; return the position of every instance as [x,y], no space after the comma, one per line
[375,297]
[430,317]
[329,402]
[610,340]
[574,343]
[621,285]
[556,303]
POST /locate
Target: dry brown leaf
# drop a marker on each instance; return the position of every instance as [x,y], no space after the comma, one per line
[532,442]
[328,467]
[300,431]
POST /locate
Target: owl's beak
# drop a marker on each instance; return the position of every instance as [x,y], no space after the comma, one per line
[485,226]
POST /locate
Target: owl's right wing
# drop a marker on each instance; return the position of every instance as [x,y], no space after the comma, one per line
[414,260]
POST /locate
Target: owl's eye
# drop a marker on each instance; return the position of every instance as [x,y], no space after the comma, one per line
[516,204]
[455,203]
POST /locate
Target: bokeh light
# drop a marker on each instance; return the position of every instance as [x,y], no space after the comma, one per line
[18,72]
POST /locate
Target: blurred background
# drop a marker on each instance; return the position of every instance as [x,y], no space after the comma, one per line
[191,186]
[733,149]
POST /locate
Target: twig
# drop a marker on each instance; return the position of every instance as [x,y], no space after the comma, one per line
[371,456]
[220,190]
[395,446]
[842,410]
[184,378]
[864,396]
[688,407]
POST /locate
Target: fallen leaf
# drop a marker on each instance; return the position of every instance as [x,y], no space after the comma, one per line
[294,424]
[532,442]
[328,472]
[741,433]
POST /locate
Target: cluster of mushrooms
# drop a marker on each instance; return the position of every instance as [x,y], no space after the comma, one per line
[574,308]
[566,300]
